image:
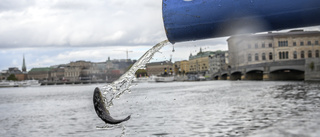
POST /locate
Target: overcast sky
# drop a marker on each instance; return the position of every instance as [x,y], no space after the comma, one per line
[51,32]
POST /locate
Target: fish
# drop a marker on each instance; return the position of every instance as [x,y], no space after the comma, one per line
[101,110]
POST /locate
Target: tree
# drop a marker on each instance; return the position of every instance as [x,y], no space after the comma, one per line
[12,77]
[141,72]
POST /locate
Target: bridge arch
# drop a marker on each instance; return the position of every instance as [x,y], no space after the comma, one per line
[254,69]
[256,74]
[236,75]
[287,74]
[224,76]
[276,68]
[215,77]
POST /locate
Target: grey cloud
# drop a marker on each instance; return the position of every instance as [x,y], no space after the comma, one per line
[72,5]
[83,23]
[15,5]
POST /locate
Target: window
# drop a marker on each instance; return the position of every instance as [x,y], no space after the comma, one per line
[283,43]
[263,45]
[316,42]
[302,54]
[284,55]
[270,56]
[295,55]
[270,45]
[294,43]
[309,54]
[256,57]
[249,46]
[263,56]
[249,57]
[301,43]
[317,54]
[256,45]
[309,43]
[280,55]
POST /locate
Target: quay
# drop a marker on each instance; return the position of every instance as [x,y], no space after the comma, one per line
[43,83]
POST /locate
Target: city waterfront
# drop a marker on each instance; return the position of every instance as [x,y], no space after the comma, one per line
[206,108]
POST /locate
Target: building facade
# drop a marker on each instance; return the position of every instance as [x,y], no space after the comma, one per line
[57,74]
[82,71]
[181,67]
[159,68]
[273,47]
[40,73]
[199,63]
[218,62]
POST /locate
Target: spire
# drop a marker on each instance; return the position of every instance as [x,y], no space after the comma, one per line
[24,68]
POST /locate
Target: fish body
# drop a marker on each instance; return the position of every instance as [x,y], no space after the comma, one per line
[101,110]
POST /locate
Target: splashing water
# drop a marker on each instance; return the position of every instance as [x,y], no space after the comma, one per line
[123,84]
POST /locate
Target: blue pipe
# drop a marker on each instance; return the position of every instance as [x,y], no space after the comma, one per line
[186,20]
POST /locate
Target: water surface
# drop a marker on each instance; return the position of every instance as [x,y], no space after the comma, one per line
[210,108]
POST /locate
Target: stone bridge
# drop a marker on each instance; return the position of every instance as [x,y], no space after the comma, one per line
[279,70]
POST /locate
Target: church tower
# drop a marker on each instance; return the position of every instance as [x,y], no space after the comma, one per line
[24,68]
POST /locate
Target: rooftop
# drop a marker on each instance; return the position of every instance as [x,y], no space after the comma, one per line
[160,63]
[201,54]
[40,69]
[277,34]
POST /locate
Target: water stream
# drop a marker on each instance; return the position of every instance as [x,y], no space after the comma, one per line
[123,84]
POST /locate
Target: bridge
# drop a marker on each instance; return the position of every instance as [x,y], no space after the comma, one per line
[278,70]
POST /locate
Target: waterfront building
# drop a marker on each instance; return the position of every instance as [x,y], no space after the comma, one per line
[82,70]
[184,66]
[21,77]
[99,71]
[181,67]
[159,68]
[77,70]
[40,73]
[199,63]
[122,65]
[291,55]
[72,73]
[218,62]
[80,64]
[115,68]
[57,73]
[14,70]
[273,47]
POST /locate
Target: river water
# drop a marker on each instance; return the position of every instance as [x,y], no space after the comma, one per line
[209,108]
